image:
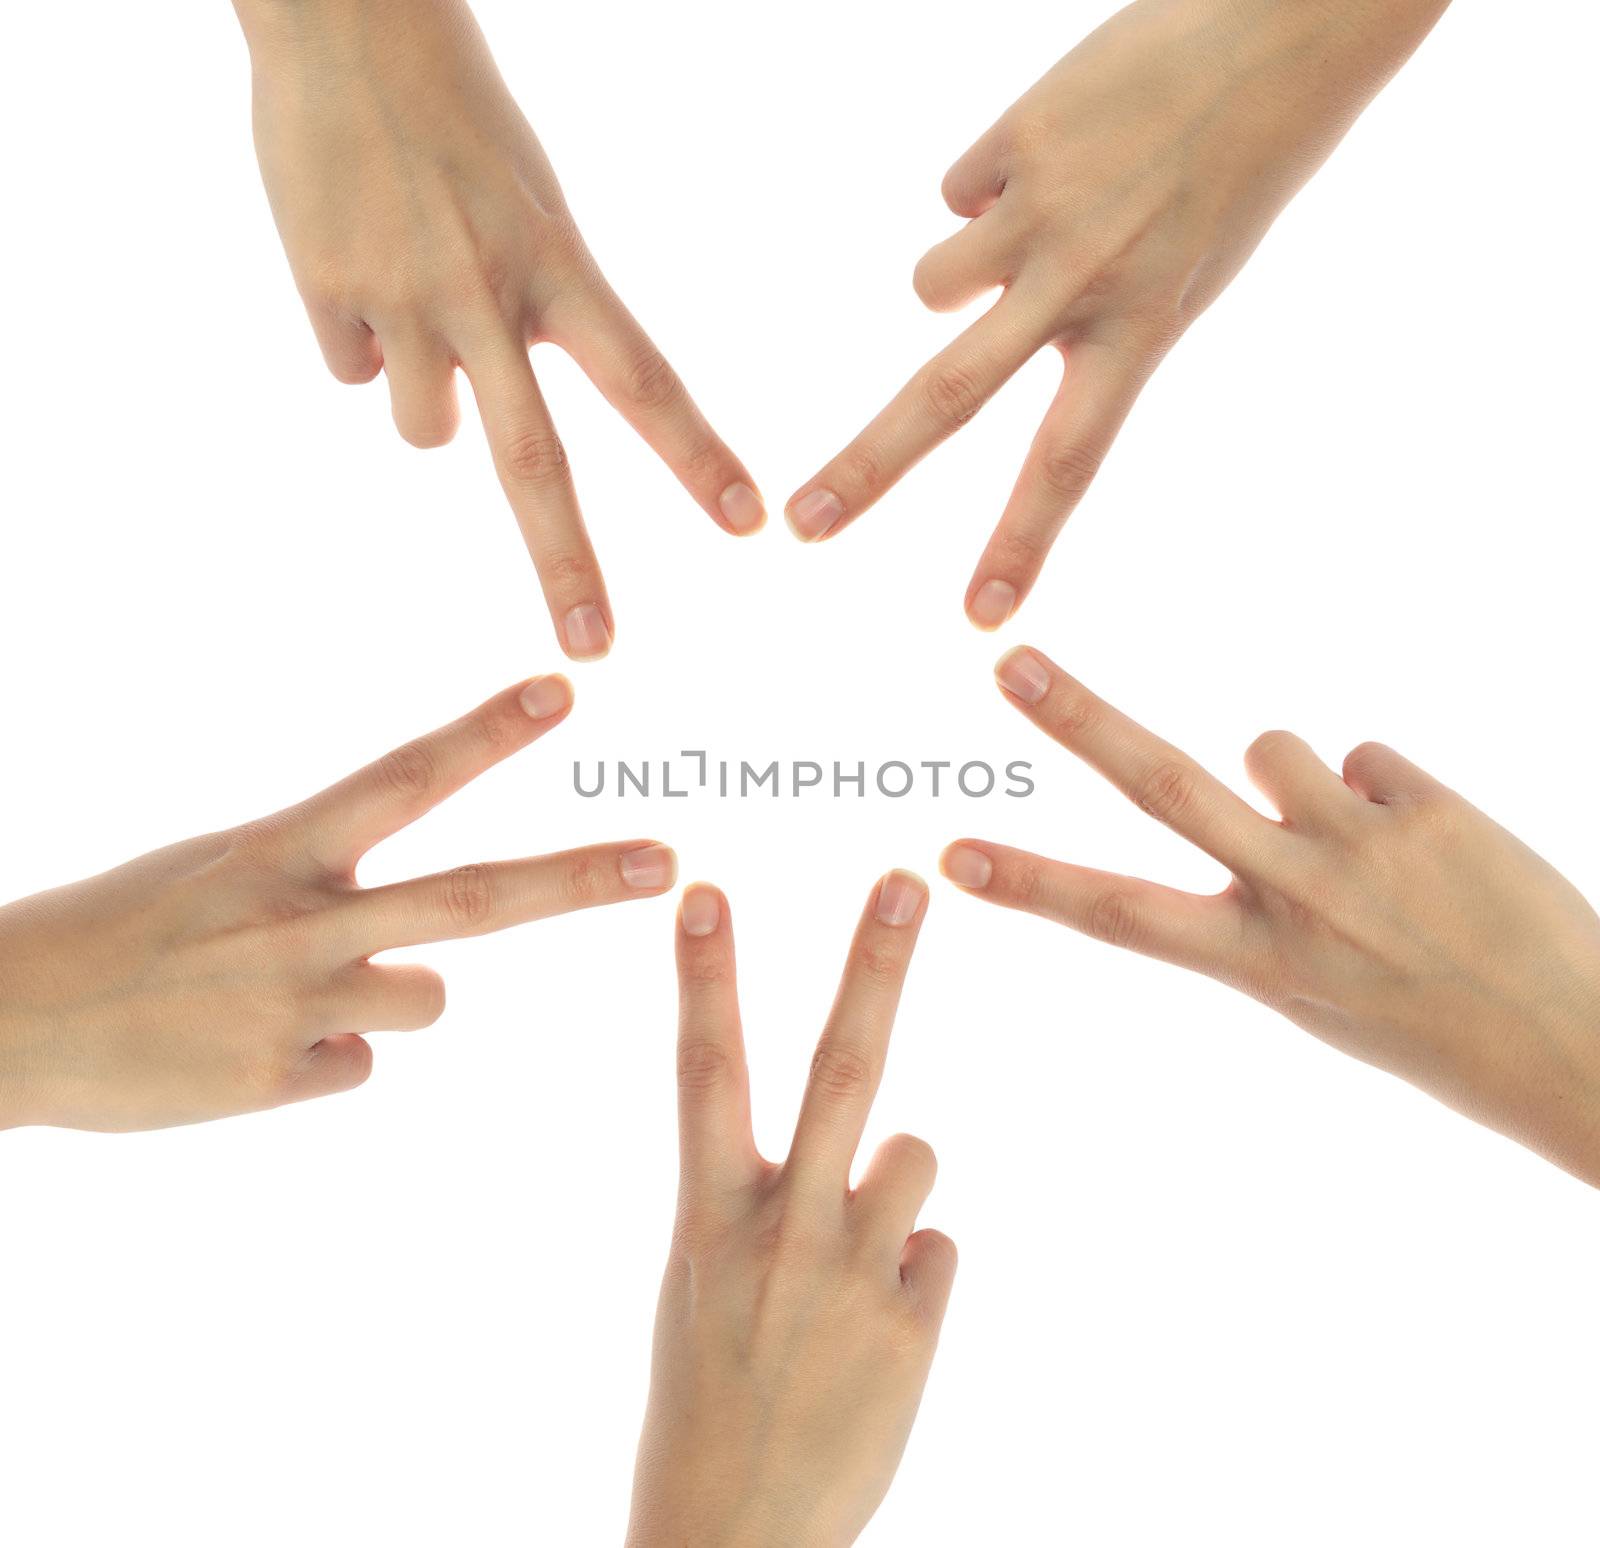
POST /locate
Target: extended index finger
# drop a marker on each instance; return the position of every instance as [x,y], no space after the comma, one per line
[943,396]
[480,899]
[1153,774]
[341,823]
[717,1150]
[848,1063]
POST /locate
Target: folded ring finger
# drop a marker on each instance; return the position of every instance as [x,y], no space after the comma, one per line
[394,997]
[422,386]
[977,258]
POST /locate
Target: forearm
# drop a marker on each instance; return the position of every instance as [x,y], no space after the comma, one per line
[1344,47]
[16,1062]
[1274,85]
[282,23]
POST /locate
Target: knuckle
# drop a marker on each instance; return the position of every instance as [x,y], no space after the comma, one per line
[1076,713]
[291,934]
[1363,757]
[863,467]
[333,284]
[1022,548]
[499,729]
[429,999]
[701,972]
[1383,849]
[584,882]
[1028,132]
[706,458]
[1262,975]
[700,1232]
[1309,906]
[1150,331]
[1167,791]
[534,457]
[492,277]
[1269,748]
[1067,471]
[881,966]
[566,574]
[353,373]
[468,895]
[255,843]
[1429,818]
[906,1340]
[652,383]
[557,239]
[324,1067]
[410,771]
[1101,282]
[785,1236]
[915,1154]
[358,1059]
[953,394]
[293,913]
[1024,883]
[275,1075]
[703,1065]
[839,1070]
[466,281]
[270,1081]
[1115,918]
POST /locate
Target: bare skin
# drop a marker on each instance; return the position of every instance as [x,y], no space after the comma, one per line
[1382,912]
[798,1319]
[427,232]
[1110,206]
[231,972]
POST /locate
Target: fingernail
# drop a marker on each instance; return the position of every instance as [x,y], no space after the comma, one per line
[648,868]
[701,910]
[741,508]
[546,696]
[587,635]
[967,867]
[816,514]
[900,895]
[992,603]
[1023,674]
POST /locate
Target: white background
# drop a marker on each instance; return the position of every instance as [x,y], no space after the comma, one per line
[1218,1283]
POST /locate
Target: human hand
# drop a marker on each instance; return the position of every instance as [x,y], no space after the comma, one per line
[1382,913]
[1112,204]
[230,973]
[426,231]
[798,1318]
